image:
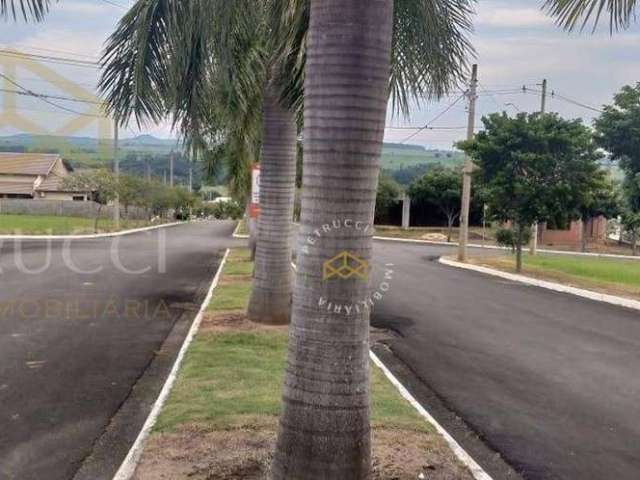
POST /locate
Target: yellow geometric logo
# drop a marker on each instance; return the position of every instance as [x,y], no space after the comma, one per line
[11,115]
[345,265]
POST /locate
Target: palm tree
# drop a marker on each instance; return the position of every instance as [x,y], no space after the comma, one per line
[218,62]
[573,13]
[324,427]
[27,9]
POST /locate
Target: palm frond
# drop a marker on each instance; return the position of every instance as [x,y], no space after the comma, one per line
[572,14]
[136,75]
[27,9]
[430,50]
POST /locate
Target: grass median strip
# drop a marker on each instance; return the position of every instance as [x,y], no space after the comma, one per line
[605,275]
[53,225]
[221,418]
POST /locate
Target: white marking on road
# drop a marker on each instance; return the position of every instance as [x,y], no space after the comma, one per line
[130,463]
[35,364]
[87,284]
[557,287]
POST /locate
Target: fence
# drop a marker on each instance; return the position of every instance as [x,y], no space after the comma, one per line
[66,208]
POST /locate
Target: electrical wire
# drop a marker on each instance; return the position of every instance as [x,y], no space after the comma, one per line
[45,100]
[50,59]
[52,97]
[441,114]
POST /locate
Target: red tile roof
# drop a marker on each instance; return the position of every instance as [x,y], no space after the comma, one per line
[27,163]
[12,188]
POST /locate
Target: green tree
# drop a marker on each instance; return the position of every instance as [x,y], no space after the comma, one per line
[389,193]
[599,197]
[440,188]
[101,183]
[533,167]
[618,129]
[130,191]
[631,211]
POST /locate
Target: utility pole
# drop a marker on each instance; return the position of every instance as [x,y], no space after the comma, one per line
[147,165]
[116,173]
[534,229]
[467,170]
[191,161]
[171,159]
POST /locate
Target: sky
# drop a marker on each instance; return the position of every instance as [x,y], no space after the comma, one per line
[515,43]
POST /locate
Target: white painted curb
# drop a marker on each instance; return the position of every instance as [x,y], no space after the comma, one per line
[558,287]
[239,235]
[130,463]
[495,247]
[476,470]
[89,236]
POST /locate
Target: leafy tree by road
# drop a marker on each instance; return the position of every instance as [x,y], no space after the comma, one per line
[441,188]
[600,197]
[618,129]
[388,195]
[101,183]
[533,167]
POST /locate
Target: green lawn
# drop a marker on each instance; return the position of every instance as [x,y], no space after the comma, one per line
[624,272]
[53,225]
[232,378]
[607,275]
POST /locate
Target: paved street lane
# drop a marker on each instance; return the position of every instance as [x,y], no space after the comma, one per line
[549,380]
[73,344]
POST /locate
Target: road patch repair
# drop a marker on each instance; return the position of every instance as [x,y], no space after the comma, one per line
[220,419]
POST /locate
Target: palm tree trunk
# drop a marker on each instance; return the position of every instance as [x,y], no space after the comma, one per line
[324,427]
[270,300]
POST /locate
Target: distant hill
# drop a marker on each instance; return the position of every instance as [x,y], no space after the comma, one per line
[87,153]
[134,153]
[395,157]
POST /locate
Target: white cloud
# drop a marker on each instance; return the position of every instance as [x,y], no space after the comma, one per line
[512,18]
[83,8]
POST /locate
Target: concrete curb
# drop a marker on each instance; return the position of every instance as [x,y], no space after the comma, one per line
[131,461]
[558,287]
[466,459]
[239,235]
[476,470]
[494,247]
[89,236]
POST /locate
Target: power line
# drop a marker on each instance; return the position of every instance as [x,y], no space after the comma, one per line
[50,59]
[51,50]
[45,100]
[52,97]
[564,98]
[441,114]
[109,2]
[575,102]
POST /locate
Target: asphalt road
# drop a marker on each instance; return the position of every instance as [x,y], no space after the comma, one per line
[549,380]
[74,344]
